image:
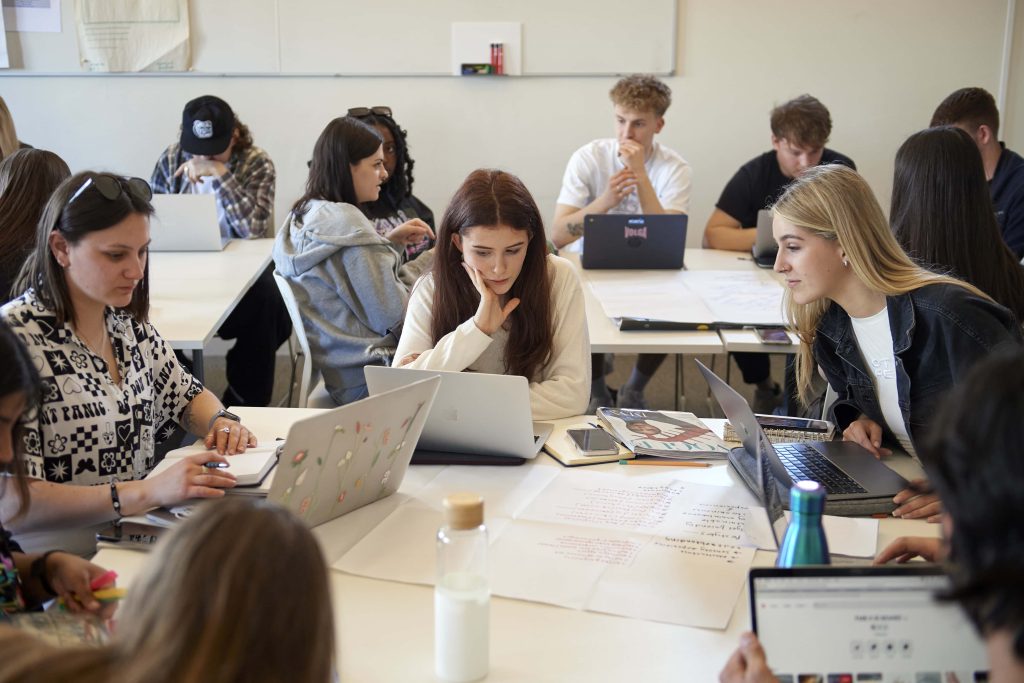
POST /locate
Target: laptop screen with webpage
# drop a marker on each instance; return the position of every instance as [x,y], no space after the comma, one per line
[878,624]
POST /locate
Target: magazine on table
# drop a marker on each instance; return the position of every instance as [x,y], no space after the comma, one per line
[663,433]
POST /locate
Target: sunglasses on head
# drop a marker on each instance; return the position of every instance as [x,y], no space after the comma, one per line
[362,112]
[111,187]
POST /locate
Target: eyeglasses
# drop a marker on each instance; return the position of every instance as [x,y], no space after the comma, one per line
[363,112]
[111,187]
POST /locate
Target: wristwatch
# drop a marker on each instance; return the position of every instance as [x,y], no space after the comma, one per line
[225,414]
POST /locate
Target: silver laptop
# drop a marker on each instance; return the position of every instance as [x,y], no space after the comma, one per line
[351,456]
[863,624]
[856,483]
[615,240]
[765,247]
[476,419]
[185,222]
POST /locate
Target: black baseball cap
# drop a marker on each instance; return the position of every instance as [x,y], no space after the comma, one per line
[206,126]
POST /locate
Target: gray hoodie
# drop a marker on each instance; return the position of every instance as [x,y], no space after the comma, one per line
[351,286]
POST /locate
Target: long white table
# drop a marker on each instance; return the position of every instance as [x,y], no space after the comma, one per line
[385,629]
[193,292]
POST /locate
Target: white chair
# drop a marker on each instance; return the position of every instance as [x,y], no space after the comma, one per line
[318,397]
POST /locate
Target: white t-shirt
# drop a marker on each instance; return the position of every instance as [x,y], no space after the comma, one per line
[592,166]
[874,339]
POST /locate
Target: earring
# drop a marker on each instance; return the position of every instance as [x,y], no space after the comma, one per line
[846,264]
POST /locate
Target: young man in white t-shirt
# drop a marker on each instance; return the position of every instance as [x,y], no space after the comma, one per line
[629,174]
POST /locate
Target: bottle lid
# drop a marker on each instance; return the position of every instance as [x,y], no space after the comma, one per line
[463,511]
[807,497]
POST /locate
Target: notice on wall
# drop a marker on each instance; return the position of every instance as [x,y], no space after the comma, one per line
[133,35]
[41,16]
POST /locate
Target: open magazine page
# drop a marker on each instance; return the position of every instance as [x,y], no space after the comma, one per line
[663,433]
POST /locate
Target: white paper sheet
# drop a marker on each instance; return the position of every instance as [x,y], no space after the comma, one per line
[705,296]
[41,16]
[126,35]
[5,60]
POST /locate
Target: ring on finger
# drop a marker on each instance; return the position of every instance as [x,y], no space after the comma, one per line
[226,430]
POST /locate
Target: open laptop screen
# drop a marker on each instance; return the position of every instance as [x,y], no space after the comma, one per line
[848,625]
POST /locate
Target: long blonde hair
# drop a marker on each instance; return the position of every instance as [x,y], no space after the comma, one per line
[835,203]
[238,593]
[8,136]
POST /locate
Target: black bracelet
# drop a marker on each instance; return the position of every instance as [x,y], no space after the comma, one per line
[115,499]
[37,570]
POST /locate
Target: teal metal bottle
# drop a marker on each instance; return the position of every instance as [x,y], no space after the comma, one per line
[805,541]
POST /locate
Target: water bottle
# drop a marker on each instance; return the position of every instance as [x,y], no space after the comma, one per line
[462,595]
[805,541]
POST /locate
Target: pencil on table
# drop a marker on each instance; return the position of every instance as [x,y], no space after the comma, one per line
[665,463]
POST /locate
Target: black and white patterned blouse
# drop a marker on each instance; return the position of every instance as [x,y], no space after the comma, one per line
[88,429]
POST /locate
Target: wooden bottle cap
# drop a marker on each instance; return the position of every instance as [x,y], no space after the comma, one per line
[463,511]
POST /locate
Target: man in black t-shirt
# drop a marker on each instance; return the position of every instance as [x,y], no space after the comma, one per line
[800,129]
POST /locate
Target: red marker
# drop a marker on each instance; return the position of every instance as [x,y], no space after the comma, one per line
[105,579]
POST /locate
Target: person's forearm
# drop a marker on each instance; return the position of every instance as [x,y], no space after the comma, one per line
[68,505]
[569,228]
[729,238]
[198,413]
[649,202]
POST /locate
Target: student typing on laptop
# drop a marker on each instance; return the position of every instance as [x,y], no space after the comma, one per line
[890,337]
[972,457]
[631,174]
[496,302]
[216,155]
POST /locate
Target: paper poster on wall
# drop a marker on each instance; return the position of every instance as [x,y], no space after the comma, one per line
[5,61]
[37,16]
[133,35]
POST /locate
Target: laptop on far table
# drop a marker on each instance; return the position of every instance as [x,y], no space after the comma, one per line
[185,222]
[856,483]
[631,241]
[476,419]
[765,247]
[863,624]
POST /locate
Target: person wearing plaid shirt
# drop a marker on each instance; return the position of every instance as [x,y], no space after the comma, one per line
[216,155]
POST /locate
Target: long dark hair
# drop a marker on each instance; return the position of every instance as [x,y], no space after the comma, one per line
[27,179]
[942,214]
[89,212]
[490,198]
[17,376]
[973,459]
[343,143]
[399,184]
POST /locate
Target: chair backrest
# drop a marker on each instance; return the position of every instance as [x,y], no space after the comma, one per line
[300,332]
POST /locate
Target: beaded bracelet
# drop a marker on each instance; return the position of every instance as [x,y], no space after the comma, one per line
[115,499]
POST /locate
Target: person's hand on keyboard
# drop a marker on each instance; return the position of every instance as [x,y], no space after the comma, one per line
[906,548]
[868,434]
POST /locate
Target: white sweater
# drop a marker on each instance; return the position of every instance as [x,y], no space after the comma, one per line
[564,387]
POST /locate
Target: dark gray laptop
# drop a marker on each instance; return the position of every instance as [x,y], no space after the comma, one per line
[765,247]
[631,241]
[855,481]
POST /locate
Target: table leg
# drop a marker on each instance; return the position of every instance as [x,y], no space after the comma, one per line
[197,364]
[679,380]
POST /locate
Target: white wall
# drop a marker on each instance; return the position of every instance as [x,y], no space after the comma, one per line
[880,66]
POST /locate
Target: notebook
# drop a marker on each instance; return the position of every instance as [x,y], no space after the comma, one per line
[185,222]
[859,624]
[476,419]
[249,468]
[765,247]
[351,456]
[652,241]
[856,482]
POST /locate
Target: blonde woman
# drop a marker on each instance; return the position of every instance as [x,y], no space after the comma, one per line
[9,143]
[188,618]
[890,337]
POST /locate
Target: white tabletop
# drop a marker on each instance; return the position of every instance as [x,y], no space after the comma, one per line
[385,629]
[193,292]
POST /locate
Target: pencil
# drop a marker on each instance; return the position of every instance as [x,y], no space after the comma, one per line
[665,463]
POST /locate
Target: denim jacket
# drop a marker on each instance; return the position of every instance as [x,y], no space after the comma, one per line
[939,331]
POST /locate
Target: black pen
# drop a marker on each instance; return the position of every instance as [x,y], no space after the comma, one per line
[215,465]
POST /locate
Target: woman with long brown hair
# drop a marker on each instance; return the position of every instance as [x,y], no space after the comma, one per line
[496,302]
[27,179]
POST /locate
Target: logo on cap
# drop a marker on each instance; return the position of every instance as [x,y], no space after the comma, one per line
[202,129]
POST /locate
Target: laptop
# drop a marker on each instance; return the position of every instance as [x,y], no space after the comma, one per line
[476,419]
[856,483]
[185,222]
[351,456]
[765,247]
[631,241]
[860,624]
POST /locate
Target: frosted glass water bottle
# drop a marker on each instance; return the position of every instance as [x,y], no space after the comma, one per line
[805,541]
[462,595]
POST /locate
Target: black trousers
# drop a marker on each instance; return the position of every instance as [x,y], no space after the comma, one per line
[259,324]
[756,367]
[647,363]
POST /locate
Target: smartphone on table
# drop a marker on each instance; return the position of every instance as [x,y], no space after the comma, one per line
[131,534]
[592,442]
[772,335]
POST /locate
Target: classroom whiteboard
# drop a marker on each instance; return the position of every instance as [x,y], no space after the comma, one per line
[395,38]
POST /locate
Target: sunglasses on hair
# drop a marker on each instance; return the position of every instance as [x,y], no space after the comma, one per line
[111,187]
[361,112]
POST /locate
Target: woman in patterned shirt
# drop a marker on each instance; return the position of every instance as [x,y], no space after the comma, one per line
[111,386]
[26,580]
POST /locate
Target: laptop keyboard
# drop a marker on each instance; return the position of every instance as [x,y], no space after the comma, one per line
[803,462]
